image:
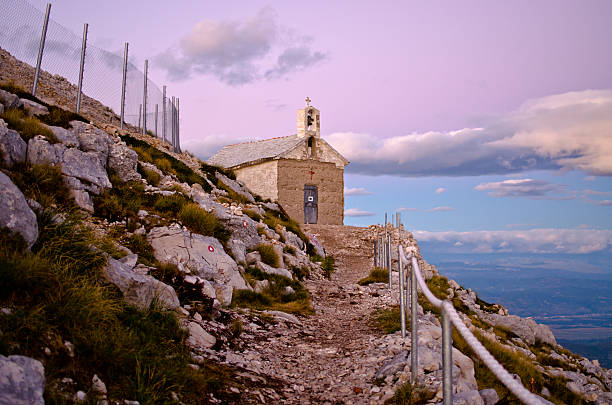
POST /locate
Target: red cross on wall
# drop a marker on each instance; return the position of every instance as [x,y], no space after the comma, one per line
[311,173]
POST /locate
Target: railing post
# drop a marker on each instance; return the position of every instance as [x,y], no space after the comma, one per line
[173,116]
[83,47]
[144,98]
[178,126]
[402,292]
[164,113]
[125,62]
[447,356]
[389,261]
[414,333]
[41,48]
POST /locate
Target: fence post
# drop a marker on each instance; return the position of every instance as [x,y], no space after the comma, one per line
[414,335]
[125,62]
[178,126]
[402,292]
[389,260]
[156,134]
[144,98]
[80,87]
[447,356]
[164,113]
[173,116]
[139,116]
[41,47]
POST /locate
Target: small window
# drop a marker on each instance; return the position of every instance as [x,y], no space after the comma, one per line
[310,146]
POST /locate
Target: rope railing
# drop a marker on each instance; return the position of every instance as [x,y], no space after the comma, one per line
[450,316]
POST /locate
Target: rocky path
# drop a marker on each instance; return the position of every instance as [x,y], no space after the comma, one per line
[332,356]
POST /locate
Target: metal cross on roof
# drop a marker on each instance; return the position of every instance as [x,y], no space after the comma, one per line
[308,100]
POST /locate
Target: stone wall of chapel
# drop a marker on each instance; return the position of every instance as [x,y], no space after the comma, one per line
[262,179]
[327,177]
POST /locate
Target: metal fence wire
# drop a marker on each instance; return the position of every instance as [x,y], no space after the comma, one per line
[20,34]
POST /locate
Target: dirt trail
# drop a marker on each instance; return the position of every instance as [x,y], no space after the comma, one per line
[332,356]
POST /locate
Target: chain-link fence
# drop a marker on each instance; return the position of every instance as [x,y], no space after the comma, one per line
[20,34]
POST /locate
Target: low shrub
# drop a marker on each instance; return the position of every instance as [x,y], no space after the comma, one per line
[377,275]
[152,177]
[289,249]
[328,265]
[268,254]
[28,127]
[301,272]
[387,320]
[408,394]
[252,214]
[197,220]
[140,245]
[170,203]
[43,183]
[58,117]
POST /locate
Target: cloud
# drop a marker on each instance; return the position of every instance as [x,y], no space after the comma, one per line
[356,191]
[239,52]
[356,212]
[402,209]
[550,240]
[570,131]
[605,203]
[539,189]
[440,209]
[440,190]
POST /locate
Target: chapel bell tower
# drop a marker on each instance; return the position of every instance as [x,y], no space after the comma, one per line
[308,122]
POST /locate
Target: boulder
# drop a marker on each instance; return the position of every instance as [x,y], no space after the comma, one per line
[242,228]
[394,365]
[489,396]
[238,249]
[123,161]
[15,213]
[82,199]
[204,256]
[283,316]
[274,270]
[92,139]
[22,381]
[139,290]
[293,239]
[235,186]
[86,167]
[526,329]
[33,108]
[9,100]
[41,152]
[317,246]
[12,147]
[468,398]
[253,257]
[466,366]
[66,137]
[199,338]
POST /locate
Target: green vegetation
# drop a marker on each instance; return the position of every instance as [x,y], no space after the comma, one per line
[199,221]
[289,250]
[28,127]
[58,117]
[252,214]
[275,218]
[328,265]
[408,394]
[152,177]
[140,245]
[300,272]
[43,183]
[274,296]
[171,204]
[55,295]
[165,162]
[387,320]
[377,275]
[268,254]
[210,170]
[122,202]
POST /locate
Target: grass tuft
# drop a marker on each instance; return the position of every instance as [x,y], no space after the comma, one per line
[328,265]
[377,275]
[408,394]
[28,127]
[268,254]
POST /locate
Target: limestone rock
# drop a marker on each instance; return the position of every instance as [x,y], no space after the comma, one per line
[317,246]
[15,213]
[242,228]
[393,365]
[238,249]
[22,381]
[139,290]
[489,396]
[283,316]
[66,137]
[82,199]
[203,255]
[92,139]
[12,147]
[273,270]
[235,186]
[199,338]
[123,161]
[34,108]
[40,151]
[466,365]
[86,167]
[526,329]
[253,257]
[9,100]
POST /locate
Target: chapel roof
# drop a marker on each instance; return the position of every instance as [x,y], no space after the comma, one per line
[246,152]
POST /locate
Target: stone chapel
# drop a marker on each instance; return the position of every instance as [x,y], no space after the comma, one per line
[301,172]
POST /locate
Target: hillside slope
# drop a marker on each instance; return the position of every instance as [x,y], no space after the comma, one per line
[133,273]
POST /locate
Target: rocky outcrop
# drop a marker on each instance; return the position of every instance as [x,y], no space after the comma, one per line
[86,167]
[33,108]
[41,152]
[200,255]
[22,381]
[123,161]
[15,214]
[12,147]
[525,328]
[235,186]
[139,290]
[9,100]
